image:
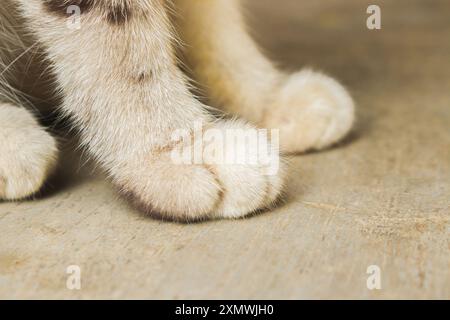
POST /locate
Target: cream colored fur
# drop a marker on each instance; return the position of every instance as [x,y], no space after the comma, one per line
[126,96]
[28,153]
[312,110]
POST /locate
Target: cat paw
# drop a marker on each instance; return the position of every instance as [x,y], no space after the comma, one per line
[28,154]
[229,179]
[312,112]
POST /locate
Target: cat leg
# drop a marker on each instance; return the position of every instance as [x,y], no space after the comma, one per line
[127,97]
[311,110]
[28,154]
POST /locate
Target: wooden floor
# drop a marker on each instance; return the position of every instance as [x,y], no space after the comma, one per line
[381,198]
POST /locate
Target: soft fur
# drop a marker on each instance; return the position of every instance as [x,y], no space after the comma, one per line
[121,85]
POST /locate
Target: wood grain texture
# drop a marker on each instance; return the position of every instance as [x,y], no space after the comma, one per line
[382,197]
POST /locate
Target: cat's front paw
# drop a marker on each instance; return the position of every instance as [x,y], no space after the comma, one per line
[223,173]
[312,111]
[28,154]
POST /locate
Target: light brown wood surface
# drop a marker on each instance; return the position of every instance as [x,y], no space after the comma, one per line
[381,198]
